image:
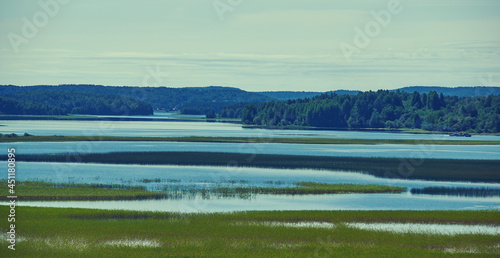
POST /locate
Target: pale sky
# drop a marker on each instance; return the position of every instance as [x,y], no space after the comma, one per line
[255,45]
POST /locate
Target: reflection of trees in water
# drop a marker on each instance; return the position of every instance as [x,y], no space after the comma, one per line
[459,191]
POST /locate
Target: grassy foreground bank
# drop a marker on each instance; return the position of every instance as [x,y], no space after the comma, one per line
[428,169]
[37,190]
[31,138]
[54,232]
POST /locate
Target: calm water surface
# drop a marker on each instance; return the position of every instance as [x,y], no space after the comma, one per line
[486,152]
[208,177]
[286,202]
[176,129]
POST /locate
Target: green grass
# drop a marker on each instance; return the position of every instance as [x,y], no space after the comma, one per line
[37,190]
[428,169]
[8,138]
[311,188]
[54,232]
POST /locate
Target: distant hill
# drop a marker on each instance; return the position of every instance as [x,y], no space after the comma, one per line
[287,95]
[191,100]
[447,91]
[456,91]
[212,97]
[63,103]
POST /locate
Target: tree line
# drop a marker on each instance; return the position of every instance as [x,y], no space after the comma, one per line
[63,103]
[381,109]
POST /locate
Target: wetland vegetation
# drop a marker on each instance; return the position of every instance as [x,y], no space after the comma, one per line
[38,190]
[86,232]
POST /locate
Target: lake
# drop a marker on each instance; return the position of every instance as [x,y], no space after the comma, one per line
[196,128]
[209,177]
[485,152]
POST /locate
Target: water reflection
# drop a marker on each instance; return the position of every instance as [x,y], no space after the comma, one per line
[482,152]
[285,202]
[176,129]
[459,191]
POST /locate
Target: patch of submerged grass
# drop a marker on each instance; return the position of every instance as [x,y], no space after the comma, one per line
[85,232]
[458,191]
[147,180]
[427,169]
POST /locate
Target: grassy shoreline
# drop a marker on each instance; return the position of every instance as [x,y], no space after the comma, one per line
[10,138]
[426,169]
[53,232]
[38,190]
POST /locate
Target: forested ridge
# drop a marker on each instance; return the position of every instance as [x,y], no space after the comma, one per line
[194,100]
[63,103]
[422,109]
[381,109]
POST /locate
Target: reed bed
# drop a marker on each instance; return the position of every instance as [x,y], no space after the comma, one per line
[37,190]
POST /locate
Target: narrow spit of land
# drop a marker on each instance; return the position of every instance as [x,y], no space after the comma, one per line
[10,138]
[426,169]
[53,232]
[38,190]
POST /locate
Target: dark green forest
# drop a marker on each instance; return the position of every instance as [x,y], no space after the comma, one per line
[194,100]
[381,109]
[63,103]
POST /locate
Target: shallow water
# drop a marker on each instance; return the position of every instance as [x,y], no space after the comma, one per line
[485,152]
[442,229]
[285,202]
[209,177]
[176,129]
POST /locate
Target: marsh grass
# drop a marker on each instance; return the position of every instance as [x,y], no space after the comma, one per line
[51,232]
[37,190]
[310,188]
[427,169]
